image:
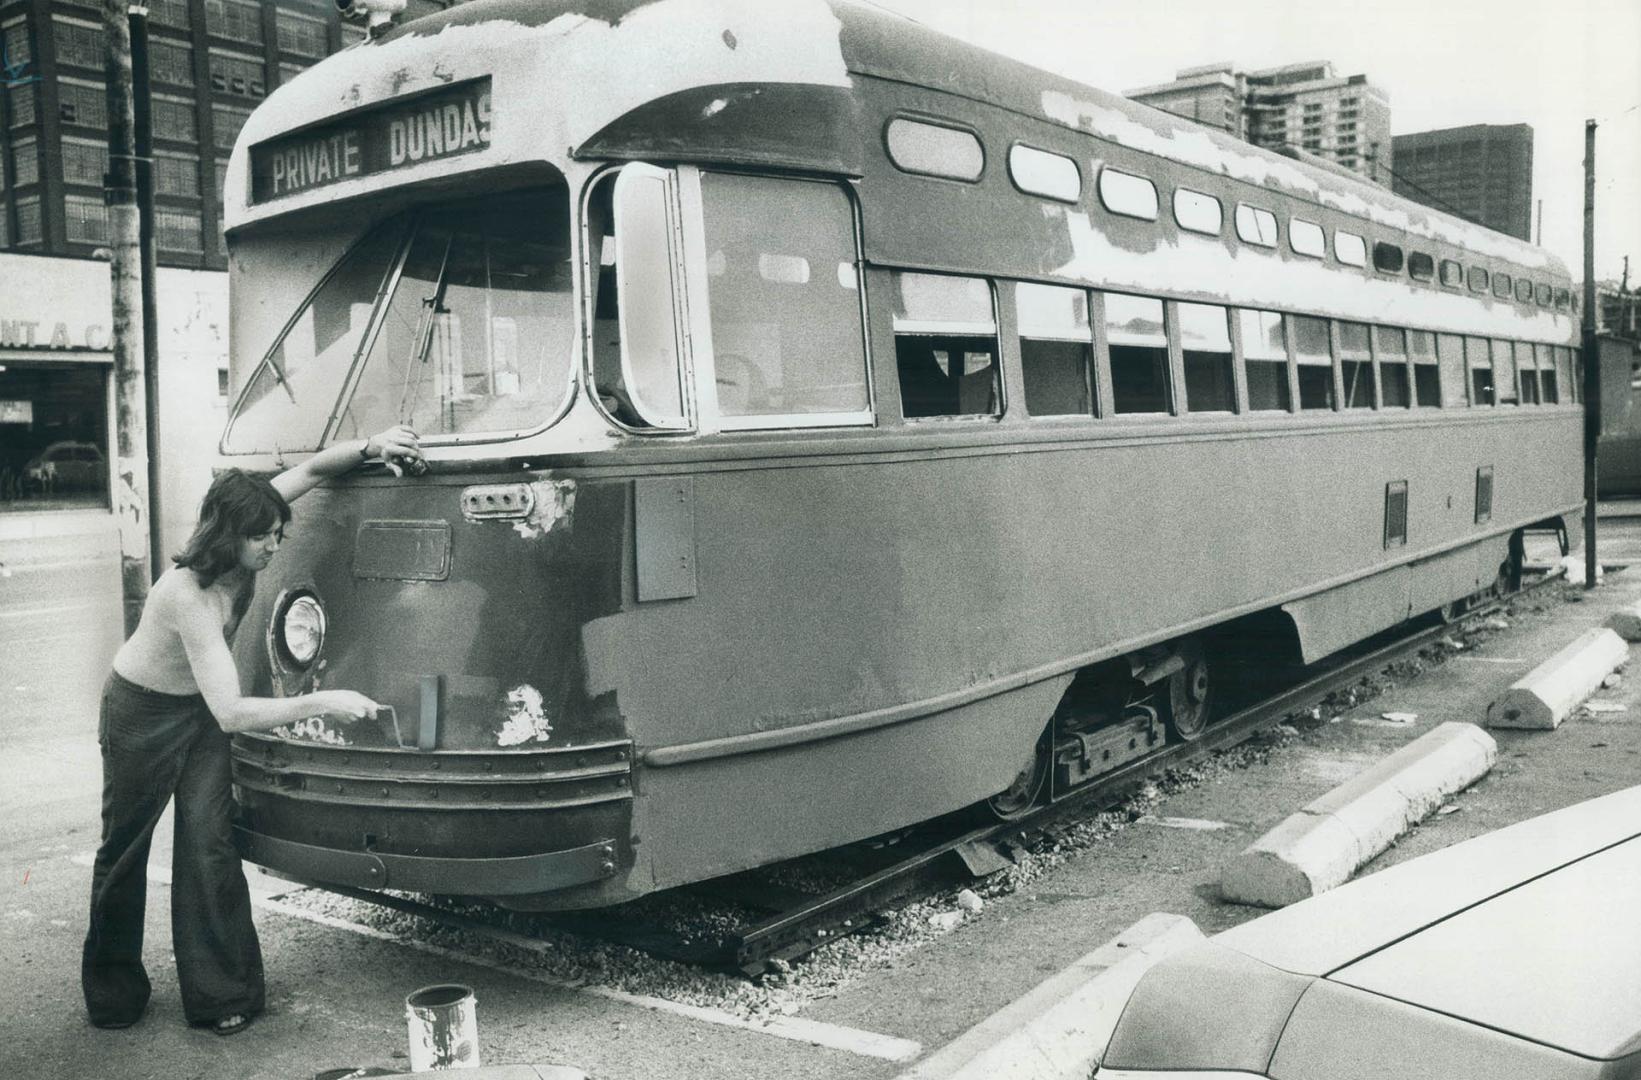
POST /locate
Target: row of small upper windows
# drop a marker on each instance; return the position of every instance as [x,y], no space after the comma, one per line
[1089,353]
[951,153]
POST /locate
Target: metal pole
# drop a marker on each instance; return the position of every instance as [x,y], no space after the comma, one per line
[143,115]
[125,270]
[1592,361]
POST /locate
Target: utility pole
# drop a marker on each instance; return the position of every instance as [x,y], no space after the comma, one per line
[144,139]
[1592,360]
[131,509]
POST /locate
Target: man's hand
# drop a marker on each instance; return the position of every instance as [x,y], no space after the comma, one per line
[345,703]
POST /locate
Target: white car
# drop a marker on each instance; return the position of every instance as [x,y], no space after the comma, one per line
[1512,956]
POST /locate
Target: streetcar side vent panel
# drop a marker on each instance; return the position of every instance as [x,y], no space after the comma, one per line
[1484,494]
[1396,513]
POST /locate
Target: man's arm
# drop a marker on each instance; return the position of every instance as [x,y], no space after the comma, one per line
[197,624]
[396,443]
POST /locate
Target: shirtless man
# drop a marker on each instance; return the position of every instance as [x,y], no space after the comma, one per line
[168,709]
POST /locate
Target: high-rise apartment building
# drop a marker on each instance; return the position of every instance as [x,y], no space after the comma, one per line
[1483,172]
[1345,120]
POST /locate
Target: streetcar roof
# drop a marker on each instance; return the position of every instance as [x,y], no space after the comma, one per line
[596,61]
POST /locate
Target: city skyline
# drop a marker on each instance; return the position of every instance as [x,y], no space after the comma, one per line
[1450,65]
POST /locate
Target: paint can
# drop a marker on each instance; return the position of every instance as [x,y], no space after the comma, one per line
[444,1028]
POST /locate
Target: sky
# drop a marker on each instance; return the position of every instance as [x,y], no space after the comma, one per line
[1552,64]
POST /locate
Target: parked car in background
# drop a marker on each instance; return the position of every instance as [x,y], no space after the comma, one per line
[66,466]
[1515,954]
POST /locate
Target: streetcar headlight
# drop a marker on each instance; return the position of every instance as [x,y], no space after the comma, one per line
[302,629]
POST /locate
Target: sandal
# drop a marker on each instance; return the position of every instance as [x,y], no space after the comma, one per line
[231,1024]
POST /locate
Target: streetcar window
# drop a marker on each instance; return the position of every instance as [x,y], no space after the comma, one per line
[1548,382]
[1427,391]
[1452,273]
[1478,279]
[1569,373]
[477,336]
[1356,365]
[1524,290]
[1476,354]
[1038,172]
[1504,374]
[946,346]
[935,149]
[1265,360]
[787,338]
[1307,238]
[1198,212]
[1127,194]
[1455,381]
[1420,267]
[1387,258]
[1543,295]
[1349,248]
[1205,339]
[1390,351]
[1056,349]
[1138,346]
[1313,354]
[1564,299]
[1526,373]
[1255,225]
[291,393]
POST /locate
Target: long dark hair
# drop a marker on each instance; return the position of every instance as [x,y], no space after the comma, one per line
[236,506]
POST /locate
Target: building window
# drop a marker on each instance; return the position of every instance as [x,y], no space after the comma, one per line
[1056,349]
[1307,238]
[1138,346]
[173,119]
[28,220]
[1313,357]
[172,13]
[226,120]
[1255,225]
[935,150]
[170,63]
[784,301]
[177,230]
[236,20]
[22,104]
[84,162]
[240,76]
[176,174]
[221,169]
[1356,365]
[82,103]
[25,162]
[303,35]
[946,346]
[85,219]
[1198,212]
[79,44]
[289,71]
[1128,194]
[15,39]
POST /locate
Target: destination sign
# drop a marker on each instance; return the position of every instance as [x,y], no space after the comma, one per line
[446,123]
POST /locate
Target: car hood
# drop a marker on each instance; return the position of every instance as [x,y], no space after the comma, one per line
[1556,960]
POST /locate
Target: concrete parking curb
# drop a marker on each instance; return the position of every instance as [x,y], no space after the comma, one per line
[1544,697]
[1058,1030]
[1322,845]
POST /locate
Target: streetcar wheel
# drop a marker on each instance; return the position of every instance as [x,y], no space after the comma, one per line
[1016,800]
[1189,694]
[1452,611]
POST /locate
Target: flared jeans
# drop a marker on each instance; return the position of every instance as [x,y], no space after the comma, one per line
[156,746]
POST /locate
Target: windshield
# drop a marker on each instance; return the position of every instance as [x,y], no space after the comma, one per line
[455,321]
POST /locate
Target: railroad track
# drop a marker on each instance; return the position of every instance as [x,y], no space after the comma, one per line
[936,852]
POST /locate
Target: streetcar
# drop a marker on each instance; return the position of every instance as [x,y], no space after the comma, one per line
[830,425]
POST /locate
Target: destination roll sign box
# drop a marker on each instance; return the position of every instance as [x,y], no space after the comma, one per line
[446,123]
